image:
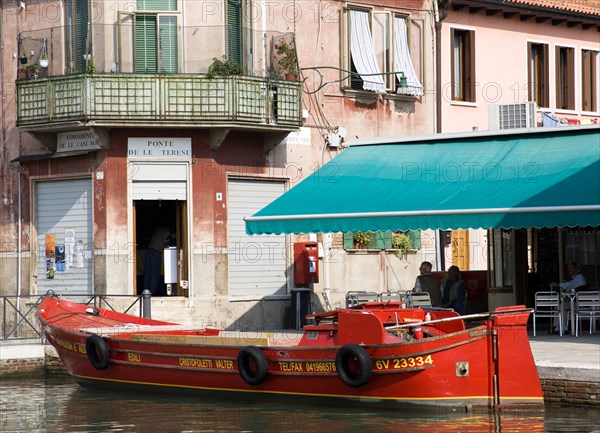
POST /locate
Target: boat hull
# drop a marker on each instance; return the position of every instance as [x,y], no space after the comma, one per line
[457,370]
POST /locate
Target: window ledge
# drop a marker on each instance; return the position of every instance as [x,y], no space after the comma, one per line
[565,111]
[590,113]
[376,250]
[402,97]
[464,104]
[361,95]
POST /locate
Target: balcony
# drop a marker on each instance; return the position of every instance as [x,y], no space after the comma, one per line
[193,100]
[63,98]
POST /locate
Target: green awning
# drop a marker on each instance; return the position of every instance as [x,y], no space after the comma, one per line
[546,177]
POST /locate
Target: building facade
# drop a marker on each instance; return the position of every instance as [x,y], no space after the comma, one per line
[117,120]
[520,64]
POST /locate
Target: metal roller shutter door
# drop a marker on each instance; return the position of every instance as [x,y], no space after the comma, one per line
[158,181]
[257,264]
[64,205]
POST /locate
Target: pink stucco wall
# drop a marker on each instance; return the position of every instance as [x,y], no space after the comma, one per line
[501,64]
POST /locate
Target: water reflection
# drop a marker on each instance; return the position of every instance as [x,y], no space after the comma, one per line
[58,405]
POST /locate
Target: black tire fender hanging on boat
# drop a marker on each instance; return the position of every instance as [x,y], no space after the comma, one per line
[348,375]
[97,352]
[252,376]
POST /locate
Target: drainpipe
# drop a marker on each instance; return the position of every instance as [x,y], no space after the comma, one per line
[19,230]
[4,165]
[439,17]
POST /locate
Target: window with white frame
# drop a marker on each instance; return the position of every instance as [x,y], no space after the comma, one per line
[375,48]
[156,37]
[463,65]
[537,71]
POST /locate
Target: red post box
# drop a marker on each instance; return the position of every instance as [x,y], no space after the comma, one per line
[306,263]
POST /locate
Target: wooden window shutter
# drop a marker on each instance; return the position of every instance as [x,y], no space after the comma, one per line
[469,66]
[415,239]
[157,5]
[348,240]
[571,78]
[146,60]
[77,38]
[381,240]
[168,44]
[545,76]
[234,31]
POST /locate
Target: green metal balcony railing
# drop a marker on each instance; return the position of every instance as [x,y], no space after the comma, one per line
[115,99]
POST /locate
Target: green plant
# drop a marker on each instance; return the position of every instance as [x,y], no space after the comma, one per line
[362,238]
[32,70]
[91,66]
[401,243]
[288,59]
[223,68]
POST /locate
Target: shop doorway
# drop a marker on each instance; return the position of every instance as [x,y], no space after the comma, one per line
[149,216]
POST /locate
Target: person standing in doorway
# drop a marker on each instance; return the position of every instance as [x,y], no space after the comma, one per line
[454,292]
[426,283]
[154,256]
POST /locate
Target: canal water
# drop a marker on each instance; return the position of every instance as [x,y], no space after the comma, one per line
[58,404]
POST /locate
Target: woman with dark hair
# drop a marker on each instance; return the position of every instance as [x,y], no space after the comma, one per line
[454,292]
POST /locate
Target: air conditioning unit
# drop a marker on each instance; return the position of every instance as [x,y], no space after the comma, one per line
[511,116]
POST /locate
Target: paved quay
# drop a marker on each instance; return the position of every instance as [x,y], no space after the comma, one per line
[567,357]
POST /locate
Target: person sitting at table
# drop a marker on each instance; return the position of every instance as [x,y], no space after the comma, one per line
[426,283]
[575,283]
[454,292]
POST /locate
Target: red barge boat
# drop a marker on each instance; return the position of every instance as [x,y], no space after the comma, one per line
[376,353]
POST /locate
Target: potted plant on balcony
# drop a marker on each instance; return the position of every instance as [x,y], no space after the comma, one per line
[22,72]
[223,68]
[32,70]
[361,240]
[44,56]
[44,60]
[288,61]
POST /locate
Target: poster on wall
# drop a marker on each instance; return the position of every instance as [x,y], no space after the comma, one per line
[59,258]
[50,269]
[50,245]
[69,247]
[79,254]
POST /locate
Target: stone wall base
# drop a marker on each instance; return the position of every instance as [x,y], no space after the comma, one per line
[569,391]
[27,365]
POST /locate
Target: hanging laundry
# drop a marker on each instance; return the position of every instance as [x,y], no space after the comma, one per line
[573,121]
[549,121]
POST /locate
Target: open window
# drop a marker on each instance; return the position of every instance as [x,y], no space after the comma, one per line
[463,65]
[589,80]
[375,44]
[537,71]
[565,78]
[78,35]
[149,38]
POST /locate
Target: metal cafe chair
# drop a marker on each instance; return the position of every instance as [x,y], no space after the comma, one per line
[547,304]
[587,306]
[419,300]
[392,297]
[360,297]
